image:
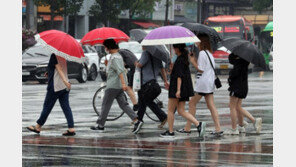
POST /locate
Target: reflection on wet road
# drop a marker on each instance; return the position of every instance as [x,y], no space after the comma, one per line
[119,147]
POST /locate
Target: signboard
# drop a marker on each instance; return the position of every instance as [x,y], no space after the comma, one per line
[218,29]
[231,29]
[24,6]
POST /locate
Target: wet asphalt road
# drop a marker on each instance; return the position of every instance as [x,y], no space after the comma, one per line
[117,146]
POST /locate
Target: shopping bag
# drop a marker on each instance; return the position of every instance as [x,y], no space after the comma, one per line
[137,80]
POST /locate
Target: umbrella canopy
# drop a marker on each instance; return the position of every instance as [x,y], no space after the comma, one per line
[159,52]
[269,26]
[169,35]
[245,50]
[129,57]
[137,34]
[198,28]
[97,36]
[61,44]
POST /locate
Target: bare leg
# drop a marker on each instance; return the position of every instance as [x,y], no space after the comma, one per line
[211,106]
[261,73]
[192,109]
[244,112]
[186,115]
[131,94]
[172,104]
[240,117]
[232,106]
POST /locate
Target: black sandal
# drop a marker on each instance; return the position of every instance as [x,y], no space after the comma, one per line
[34,129]
[68,133]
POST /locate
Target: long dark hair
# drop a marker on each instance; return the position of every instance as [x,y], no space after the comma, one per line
[205,43]
[183,50]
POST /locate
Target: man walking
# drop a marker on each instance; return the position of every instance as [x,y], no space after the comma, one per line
[116,84]
[150,68]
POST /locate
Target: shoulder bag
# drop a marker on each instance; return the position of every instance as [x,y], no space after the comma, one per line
[217,80]
[150,90]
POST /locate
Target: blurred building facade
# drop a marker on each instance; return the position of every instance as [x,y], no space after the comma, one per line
[179,11]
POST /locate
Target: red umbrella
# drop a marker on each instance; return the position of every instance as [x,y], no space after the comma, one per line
[97,36]
[61,44]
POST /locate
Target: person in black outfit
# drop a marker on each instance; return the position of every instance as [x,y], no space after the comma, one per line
[238,88]
[180,90]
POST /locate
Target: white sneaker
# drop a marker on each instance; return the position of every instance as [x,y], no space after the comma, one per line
[245,124]
[258,125]
[231,132]
[241,129]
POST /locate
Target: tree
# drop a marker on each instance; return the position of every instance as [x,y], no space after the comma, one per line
[260,5]
[60,7]
[137,7]
[105,10]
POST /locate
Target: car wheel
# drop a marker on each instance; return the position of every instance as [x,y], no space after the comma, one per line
[83,75]
[93,73]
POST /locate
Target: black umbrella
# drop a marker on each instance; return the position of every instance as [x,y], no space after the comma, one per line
[159,52]
[137,35]
[129,57]
[245,50]
[198,28]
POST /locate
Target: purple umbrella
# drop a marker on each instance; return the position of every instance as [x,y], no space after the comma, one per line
[169,35]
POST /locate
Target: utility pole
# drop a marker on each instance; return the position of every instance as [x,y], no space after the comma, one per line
[166,12]
[198,11]
[65,17]
[31,20]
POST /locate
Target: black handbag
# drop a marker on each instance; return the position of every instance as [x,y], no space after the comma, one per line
[150,90]
[217,80]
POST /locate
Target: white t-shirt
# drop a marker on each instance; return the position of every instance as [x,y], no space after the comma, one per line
[205,82]
[58,81]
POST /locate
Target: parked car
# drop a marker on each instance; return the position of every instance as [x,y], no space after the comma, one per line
[92,61]
[222,64]
[271,58]
[133,46]
[34,66]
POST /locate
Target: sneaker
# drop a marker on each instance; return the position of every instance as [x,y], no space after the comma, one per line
[258,125]
[220,133]
[201,129]
[183,131]
[241,129]
[136,107]
[100,129]
[245,124]
[232,132]
[162,123]
[137,126]
[167,134]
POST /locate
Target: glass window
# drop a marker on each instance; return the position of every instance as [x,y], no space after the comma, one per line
[92,50]
[84,49]
[134,47]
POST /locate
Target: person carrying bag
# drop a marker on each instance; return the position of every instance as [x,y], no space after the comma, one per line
[150,89]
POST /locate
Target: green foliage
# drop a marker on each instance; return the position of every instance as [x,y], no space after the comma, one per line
[260,5]
[61,7]
[139,7]
[105,10]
